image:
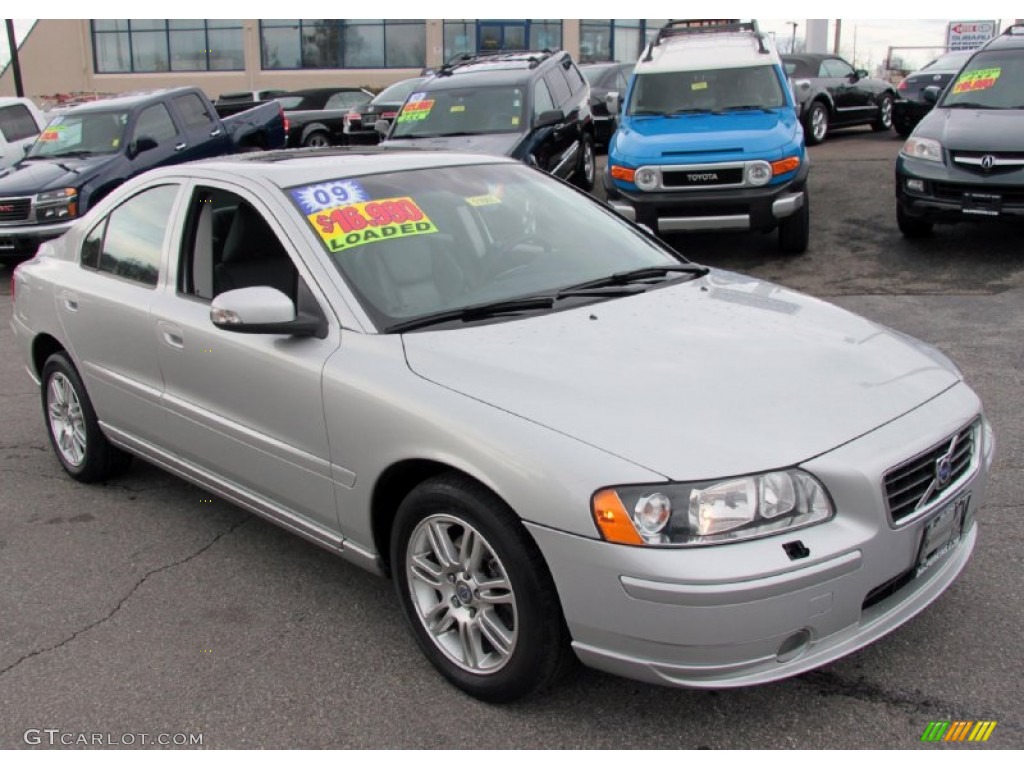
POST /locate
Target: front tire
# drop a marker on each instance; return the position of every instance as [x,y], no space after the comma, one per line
[884,121]
[816,124]
[476,591]
[586,172]
[81,447]
[795,230]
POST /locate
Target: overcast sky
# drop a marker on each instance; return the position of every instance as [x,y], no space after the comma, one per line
[872,36]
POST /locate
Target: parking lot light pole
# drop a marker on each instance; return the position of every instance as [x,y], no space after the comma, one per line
[792,42]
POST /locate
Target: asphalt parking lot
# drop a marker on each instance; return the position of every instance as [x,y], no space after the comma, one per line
[143,606]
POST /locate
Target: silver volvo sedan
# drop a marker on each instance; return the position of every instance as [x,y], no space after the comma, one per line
[557,436]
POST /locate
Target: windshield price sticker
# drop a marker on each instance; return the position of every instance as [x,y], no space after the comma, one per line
[977,80]
[481,200]
[416,110]
[350,226]
[329,194]
[702,86]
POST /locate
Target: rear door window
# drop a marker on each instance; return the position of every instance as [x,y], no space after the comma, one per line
[134,237]
[559,86]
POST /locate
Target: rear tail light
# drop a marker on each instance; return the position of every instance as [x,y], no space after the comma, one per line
[284,118]
[903,85]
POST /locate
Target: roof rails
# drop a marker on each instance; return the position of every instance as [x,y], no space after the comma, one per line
[464,59]
[1014,29]
[685,27]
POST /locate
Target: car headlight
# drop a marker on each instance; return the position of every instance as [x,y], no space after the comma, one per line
[646,179]
[57,204]
[712,512]
[923,149]
[758,173]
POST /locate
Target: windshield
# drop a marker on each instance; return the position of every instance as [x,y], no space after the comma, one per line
[992,80]
[397,93]
[706,90]
[414,243]
[950,62]
[594,74]
[461,111]
[94,133]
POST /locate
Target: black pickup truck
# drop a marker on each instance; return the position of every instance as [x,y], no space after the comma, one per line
[87,151]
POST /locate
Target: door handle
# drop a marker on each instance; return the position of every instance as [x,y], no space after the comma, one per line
[215,132]
[70,301]
[179,147]
[172,335]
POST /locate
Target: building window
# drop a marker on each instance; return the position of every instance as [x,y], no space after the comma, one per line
[616,39]
[459,37]
[163,45]
[545,33]
[343,43]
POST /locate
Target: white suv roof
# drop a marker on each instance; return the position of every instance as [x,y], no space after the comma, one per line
[708,50]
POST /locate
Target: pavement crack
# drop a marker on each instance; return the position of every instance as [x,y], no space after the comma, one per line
[145,577]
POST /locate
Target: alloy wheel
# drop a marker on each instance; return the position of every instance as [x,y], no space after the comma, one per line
[66,420]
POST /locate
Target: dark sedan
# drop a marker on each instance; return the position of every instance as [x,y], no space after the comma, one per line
[605,78]
[910,107]
[360,121]
[832,94]
[316,116]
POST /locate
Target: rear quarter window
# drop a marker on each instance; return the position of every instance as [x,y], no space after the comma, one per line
[16,123]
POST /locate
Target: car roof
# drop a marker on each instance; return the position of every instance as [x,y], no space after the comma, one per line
[724,50]
[1012,37]
[810,57]
[293,167]
[321,91]
[128,100]
[507,68]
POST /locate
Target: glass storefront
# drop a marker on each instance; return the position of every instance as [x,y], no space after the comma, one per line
[615,39]
[167,45]
[342,43]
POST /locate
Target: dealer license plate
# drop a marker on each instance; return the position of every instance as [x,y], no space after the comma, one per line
[942,533]
[982,203]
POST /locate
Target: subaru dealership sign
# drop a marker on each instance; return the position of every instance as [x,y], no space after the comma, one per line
[968,35]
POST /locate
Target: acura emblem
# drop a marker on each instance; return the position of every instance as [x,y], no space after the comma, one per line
[987,162]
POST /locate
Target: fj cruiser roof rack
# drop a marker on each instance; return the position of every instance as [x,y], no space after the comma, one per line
[1014,29]
[684,27]
[533,57]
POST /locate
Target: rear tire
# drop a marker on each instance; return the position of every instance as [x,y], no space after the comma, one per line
[816,124]
[79,444]
[795,230]
[884,121]
[912,227]
[317,139]
[476,591]
[586,172]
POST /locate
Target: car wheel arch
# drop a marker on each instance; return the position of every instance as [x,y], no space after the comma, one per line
[43,346]
[396,482]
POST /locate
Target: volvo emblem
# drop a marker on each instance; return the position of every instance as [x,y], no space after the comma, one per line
[463,592]
[944,470]
[987,162]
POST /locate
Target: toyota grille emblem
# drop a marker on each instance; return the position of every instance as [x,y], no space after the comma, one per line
[987,162]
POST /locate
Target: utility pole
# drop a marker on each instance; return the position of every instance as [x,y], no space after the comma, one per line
[835,43]
[19,90]
[792,42]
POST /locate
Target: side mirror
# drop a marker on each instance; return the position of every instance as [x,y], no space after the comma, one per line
[613,102]
[930,95]
[382,127]
[551,117]
[859,74]
[141,144]
[260,309]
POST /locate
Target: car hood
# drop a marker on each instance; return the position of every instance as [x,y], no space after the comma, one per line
[708,138]
[717,377]
[974,130]
[31,176]
[488,144]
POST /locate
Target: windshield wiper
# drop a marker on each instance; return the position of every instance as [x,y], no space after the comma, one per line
[745,108]
[968,105]
[476,312]
[647,113]
[637,275]
[692,111]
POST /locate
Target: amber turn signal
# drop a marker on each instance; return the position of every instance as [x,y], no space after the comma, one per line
[623,173]
[786,165]
[612,519]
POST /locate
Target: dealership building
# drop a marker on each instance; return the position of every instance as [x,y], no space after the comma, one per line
[222,55]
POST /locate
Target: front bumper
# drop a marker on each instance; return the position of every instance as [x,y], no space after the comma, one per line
[23,240]
[742,614]
[947,191]
[908,113]
[742,209]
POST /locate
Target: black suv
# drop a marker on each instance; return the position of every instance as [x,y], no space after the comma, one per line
[533,106]
[965,159]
